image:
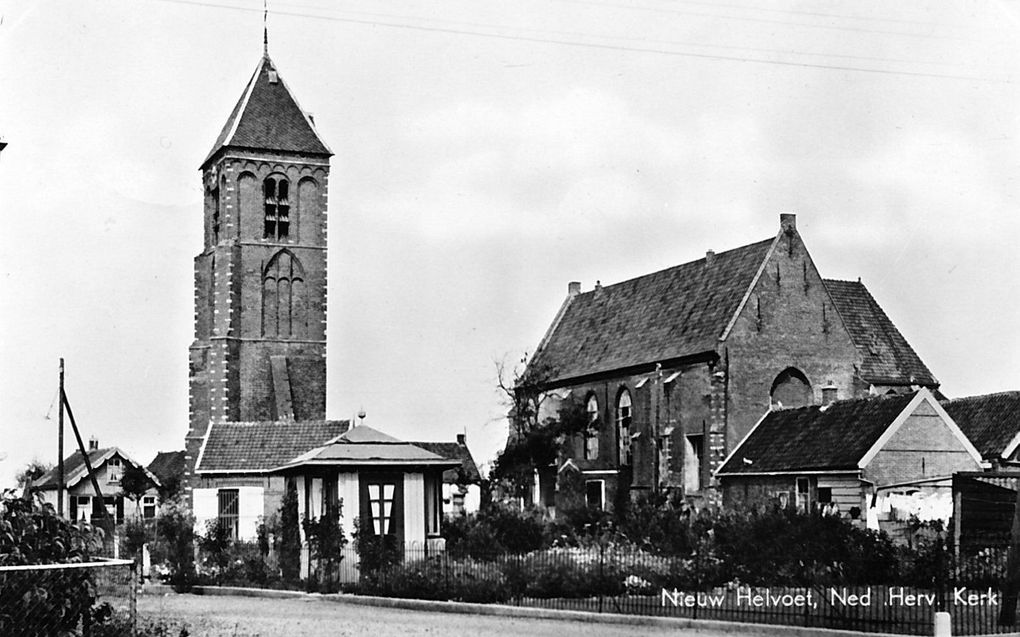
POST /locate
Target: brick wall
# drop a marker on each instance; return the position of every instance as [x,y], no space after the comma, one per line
[788,321]
[230,378]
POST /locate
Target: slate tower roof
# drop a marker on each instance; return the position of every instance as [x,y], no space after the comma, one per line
[267,117]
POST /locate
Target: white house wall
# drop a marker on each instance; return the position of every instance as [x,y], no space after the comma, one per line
[250,506]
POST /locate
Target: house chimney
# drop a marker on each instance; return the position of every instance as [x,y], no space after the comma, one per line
[462,440]
[829,393]
[710,257]
[598,286]
[573,288]
[788,222]
[93,443]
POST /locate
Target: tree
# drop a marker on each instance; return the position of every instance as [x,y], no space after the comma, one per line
[535,439]
[135,483]
[32,471]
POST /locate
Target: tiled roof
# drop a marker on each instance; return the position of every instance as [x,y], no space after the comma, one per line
[75,469]
[267,117]
[364,445]
[816,438]
[454,451]
[991,421]
[887,357]
[73,465]
[168,464]
[676,312]
[246,447]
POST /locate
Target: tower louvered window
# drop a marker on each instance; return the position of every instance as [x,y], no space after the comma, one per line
[277,224]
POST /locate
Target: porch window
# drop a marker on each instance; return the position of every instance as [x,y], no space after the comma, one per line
[433,505]
[380,503]
[228,510]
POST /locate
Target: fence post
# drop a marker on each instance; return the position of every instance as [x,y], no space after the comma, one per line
[602,575]
[133,598]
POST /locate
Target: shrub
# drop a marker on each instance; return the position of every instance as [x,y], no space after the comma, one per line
[289,536]
[175,532]
[499,528]
[51,602]
[376,553]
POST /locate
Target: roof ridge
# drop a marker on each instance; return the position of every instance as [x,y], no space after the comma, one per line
[1006,392]
[679,265]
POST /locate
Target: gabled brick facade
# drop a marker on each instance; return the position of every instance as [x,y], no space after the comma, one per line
[703,350]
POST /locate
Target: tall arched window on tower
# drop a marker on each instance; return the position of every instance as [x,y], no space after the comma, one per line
[284,312]
[623,426]
[276,190]
[591,434]
[790,389]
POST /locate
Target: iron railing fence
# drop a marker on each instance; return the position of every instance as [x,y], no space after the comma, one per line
[89,598]
[631,581]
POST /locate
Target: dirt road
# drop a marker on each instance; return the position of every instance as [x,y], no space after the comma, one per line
[213,616]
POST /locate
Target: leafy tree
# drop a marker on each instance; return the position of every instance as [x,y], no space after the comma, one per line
[32,471]
[535,439]
[135,483]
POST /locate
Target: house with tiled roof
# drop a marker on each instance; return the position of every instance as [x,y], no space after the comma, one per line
[462,483]
[80,499]
[845,453]
[675,367]
[992,423]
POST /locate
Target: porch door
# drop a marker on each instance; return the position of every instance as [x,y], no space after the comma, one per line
[382,503]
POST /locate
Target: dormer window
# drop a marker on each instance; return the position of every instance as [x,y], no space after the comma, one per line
[277,224]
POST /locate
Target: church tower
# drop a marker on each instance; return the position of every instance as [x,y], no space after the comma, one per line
[260,281]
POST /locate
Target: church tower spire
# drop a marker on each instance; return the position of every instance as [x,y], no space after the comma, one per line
[259,352]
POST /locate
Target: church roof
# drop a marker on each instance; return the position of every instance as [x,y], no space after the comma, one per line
[887,357]
[672,313]
[257,447]
[991,422]
[267,117]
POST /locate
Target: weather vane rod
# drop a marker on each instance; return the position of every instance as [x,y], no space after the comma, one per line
[265,28]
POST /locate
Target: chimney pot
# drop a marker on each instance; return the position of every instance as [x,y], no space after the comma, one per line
[709,257]
[598,285]
[573,288]
[787,222]
[93,443]
[462,439]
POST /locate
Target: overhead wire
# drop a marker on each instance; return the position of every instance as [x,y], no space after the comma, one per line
[602,46]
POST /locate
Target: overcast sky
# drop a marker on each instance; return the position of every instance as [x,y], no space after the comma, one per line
[486,154]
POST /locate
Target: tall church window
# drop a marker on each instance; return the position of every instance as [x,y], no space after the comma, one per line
[591,434]
[284,308]
[277,197]
[623,426]
[790,389]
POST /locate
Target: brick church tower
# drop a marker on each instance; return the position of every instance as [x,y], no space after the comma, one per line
[260,281]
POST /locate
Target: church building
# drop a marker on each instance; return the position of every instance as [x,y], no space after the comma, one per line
[673,368]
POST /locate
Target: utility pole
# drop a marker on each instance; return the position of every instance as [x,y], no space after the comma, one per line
[60,446]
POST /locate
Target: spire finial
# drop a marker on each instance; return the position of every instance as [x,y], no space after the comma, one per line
[265,28]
